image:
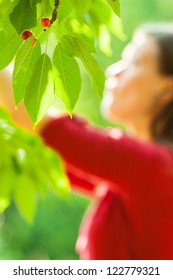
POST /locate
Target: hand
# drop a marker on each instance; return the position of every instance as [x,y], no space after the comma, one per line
[19,114]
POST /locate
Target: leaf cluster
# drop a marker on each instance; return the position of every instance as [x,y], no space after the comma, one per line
[28,169]
[50,68]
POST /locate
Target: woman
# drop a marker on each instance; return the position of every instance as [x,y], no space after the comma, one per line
[129,174]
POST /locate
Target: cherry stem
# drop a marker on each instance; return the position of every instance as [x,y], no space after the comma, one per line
[55,12]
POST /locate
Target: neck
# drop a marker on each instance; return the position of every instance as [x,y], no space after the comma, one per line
[140,130]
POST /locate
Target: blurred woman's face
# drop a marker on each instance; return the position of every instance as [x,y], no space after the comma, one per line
[133,83]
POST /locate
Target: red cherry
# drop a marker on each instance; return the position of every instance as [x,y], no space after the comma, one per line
[45,22]
[34,42]
[26,34]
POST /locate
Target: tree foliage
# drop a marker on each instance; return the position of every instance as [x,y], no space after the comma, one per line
[45,69]
[27,169]
[46,66]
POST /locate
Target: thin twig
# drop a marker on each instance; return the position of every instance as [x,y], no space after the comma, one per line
[55,12]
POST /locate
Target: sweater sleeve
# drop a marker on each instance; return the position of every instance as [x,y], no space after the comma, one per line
[119,160]
[80,181]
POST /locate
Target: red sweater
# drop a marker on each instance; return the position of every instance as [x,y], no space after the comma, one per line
[132,182]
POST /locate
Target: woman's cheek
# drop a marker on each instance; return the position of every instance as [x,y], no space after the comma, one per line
[122,98]
[127,99]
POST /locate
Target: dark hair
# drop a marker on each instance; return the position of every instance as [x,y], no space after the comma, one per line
[162,123]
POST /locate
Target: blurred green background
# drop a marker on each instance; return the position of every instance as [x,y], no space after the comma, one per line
[55,228]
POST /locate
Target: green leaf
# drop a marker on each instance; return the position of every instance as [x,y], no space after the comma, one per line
[115,5]
[81,6]
[25,197]
[100,13]
[105,40]
[27,169]
[116,27]
[90,64]
[6,184]
[67,43]
[35,2]
[59,180]
[40,89]
[77,29]
[67,78]
[23,16]
[24,64]
[10,42]
[64,9]
[4,115]
[4,10]
[4,203]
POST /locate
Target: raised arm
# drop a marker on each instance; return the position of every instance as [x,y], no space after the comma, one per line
[123,161]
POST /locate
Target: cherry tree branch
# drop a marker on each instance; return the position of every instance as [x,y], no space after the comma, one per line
[55,12]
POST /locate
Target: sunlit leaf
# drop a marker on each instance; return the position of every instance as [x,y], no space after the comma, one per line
[4,10]
[4,203]
[24,64]
[64,9]
[6,185]
[115,5]
[28,169]
[82,31]
[90,64]
[25,198]
[105,40]
[10,42]
[100,13]
[81,6]
[34,2]
[40,89]
[67,78]
[59,180]
[24,15]
[116,27]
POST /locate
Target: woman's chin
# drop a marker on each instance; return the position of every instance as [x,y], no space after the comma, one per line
[112,111]
[109,115]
